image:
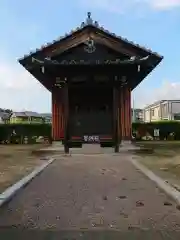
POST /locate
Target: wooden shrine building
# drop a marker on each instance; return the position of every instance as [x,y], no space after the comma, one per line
[91,73]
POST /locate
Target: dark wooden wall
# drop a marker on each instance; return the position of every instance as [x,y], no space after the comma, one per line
[124,121]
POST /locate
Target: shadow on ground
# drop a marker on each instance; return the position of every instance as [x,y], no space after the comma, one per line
[131,234]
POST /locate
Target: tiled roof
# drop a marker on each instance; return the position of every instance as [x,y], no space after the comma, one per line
[90,22]
[32,114]
[161,101]
[46,115]
[26,114]
[18,114]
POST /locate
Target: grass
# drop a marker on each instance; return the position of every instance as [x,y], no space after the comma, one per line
[16,161]
[164,160]
[159,144]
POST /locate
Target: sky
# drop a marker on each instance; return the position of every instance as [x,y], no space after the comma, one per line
[27,25]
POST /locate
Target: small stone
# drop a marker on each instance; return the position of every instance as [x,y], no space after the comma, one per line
[124,215]
[133,227]
[10,209]
[177,187]
[178,207]
[44,158]
[81,234]
[105,198]
[139,204]
[122,197]
[124,178]
[130,227]
[98,221]
[37,205]
[166,203]
[164,169]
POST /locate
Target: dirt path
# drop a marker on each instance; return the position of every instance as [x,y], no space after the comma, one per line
[93,193]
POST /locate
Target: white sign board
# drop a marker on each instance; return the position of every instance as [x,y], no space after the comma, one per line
[156,132]
[91,138]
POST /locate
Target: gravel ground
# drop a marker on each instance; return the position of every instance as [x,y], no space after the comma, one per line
[89,197]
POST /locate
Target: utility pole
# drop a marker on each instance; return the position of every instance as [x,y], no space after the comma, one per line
[133,111]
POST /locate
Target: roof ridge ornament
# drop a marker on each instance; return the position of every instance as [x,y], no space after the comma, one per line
[89,20]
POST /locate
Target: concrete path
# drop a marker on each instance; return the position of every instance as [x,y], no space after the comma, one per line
[85,193]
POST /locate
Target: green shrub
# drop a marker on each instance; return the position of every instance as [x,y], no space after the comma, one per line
[16,132]
[165,129]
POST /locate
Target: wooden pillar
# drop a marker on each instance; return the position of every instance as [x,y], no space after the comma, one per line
[57,115]
[125,116]
[119,116]
[115,118]
[66,118]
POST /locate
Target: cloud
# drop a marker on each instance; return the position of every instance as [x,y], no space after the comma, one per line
[13,77]
[144,96]
[163,4]
[19,90]
[131,5]
[109,5]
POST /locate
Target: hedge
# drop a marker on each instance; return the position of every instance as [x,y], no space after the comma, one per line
[10,132]
[31,130]
[165,129]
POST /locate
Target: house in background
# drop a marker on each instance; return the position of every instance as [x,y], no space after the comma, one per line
[137,115]
[34,117]
[47,117]
[162,110]
[26,117]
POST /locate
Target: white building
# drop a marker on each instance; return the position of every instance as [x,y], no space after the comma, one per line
[162,110]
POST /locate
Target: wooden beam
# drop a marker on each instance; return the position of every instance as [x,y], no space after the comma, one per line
[68,44]
[117,46]
[119,116]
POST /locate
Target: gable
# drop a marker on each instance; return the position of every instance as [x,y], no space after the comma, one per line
[71,47]
[89,52]
[99,37]
[81,36]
